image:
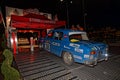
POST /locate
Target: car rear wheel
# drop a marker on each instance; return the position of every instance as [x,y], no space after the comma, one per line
[68,58]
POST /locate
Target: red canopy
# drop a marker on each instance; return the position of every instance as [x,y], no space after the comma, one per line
[31,15]
[34,22]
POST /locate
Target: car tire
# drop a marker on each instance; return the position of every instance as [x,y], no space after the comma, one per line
[68,58]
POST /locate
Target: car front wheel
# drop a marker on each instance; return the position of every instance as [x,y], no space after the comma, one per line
[68,58]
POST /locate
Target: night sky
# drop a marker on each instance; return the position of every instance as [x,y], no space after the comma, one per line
[99,13]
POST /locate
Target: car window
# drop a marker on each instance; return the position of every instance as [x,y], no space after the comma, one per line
[58,35]
[77,37]
[84,37]
[50,34]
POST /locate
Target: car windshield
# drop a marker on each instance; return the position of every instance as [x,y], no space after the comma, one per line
[77,37]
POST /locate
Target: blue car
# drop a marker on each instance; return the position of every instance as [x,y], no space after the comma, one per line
[74,46]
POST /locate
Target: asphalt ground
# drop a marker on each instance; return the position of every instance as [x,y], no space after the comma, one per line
[114,50]
[42,65]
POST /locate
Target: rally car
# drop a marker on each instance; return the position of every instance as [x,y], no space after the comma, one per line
[74,46]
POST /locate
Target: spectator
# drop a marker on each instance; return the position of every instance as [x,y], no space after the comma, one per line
[79,28]
[73,27]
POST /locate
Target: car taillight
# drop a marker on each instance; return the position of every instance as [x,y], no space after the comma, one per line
[92,52]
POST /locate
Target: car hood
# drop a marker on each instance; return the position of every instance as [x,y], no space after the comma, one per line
[93,44]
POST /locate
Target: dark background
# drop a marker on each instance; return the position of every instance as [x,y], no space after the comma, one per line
[99,13]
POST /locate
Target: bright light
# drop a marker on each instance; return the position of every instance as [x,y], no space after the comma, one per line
[61,0]
[15,39]
[71,2]
[106,55]
[11,41]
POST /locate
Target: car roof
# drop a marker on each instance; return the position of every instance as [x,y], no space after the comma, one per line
[67,30]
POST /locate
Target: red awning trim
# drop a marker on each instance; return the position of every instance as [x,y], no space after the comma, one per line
[24,19]
[28,31]
[41,21]
[31,15]
[36,25]
[23,22]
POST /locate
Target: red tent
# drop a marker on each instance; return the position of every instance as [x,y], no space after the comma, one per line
[34,21]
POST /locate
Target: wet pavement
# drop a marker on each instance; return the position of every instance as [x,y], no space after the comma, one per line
[42,65]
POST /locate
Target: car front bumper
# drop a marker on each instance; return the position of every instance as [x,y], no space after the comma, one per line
[94,61]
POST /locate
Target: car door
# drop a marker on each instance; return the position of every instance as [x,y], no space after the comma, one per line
[48,41]
[57,42]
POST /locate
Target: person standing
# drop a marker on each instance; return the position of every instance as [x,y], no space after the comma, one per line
[73,27]
[79,27]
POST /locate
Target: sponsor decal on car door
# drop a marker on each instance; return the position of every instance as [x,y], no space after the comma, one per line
[47,45]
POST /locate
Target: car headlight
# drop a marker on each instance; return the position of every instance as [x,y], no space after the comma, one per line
[106,55]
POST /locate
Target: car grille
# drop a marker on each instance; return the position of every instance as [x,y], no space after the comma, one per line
[99,54]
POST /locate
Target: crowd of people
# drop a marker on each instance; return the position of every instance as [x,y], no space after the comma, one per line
[77,27]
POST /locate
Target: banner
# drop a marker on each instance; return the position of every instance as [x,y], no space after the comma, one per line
[22,12]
